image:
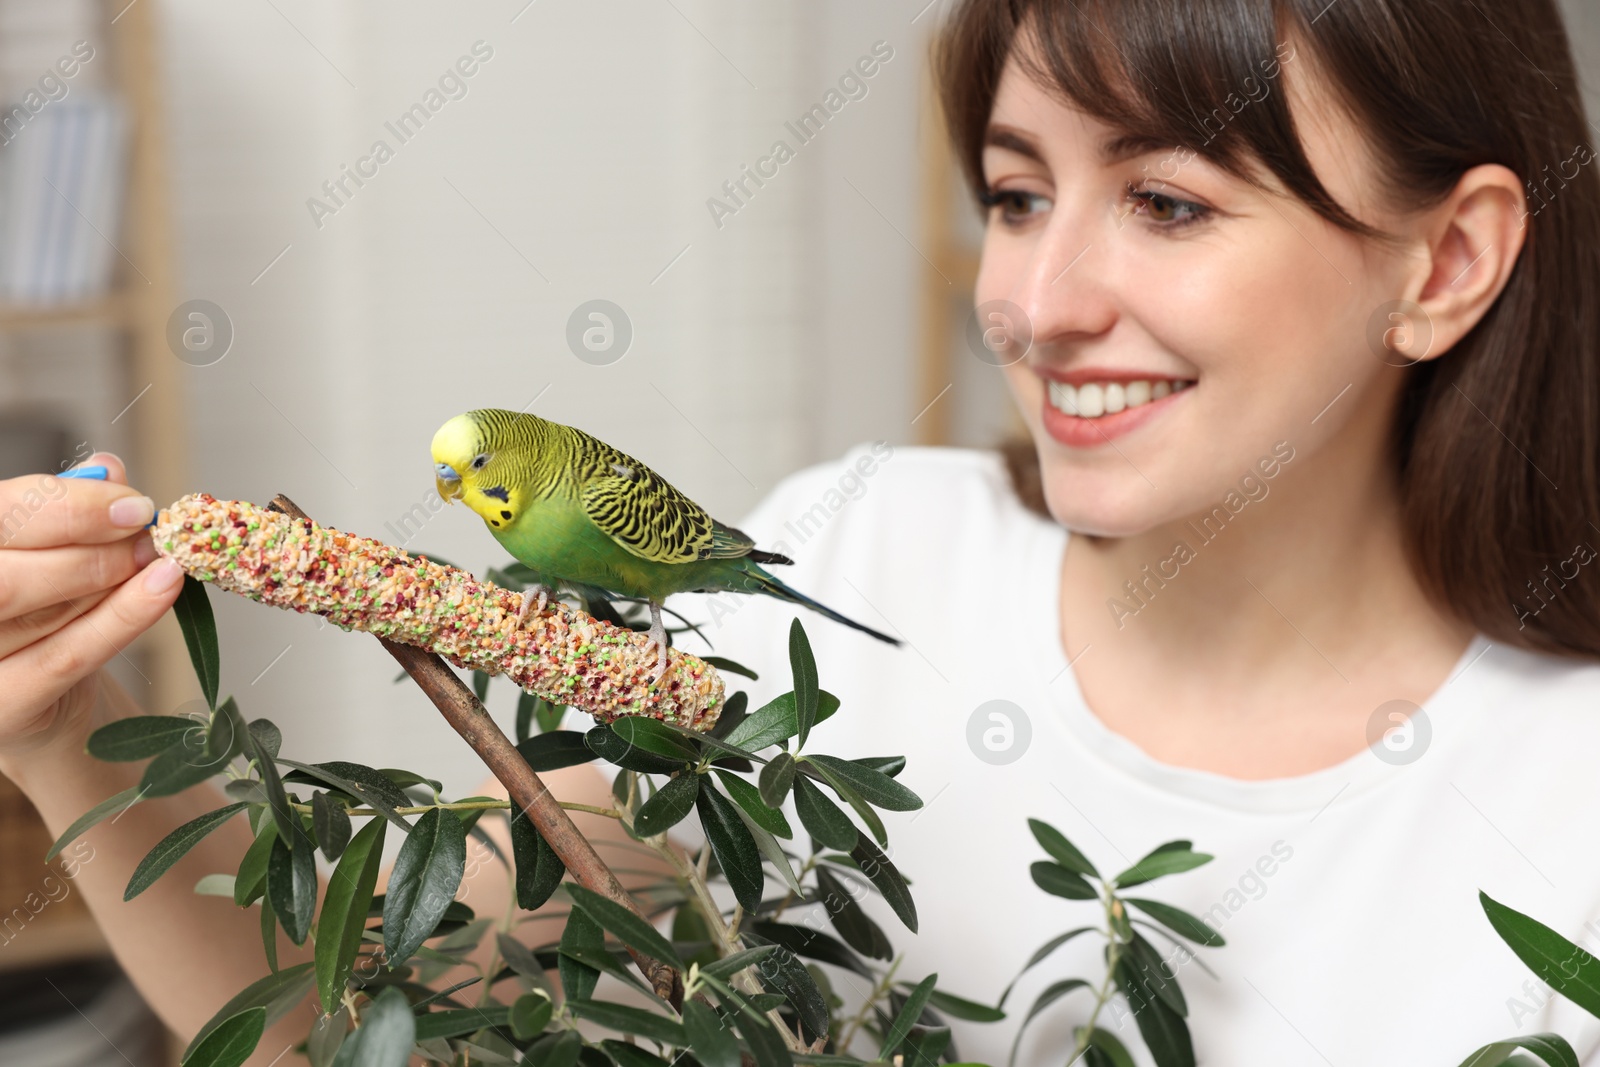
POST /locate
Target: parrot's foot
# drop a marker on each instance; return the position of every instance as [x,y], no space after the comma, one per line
[658,638]
[544,595]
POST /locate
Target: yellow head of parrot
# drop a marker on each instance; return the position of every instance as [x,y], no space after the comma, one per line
[456,457]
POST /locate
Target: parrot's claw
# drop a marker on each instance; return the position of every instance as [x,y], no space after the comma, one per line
[658,638]
[528,602]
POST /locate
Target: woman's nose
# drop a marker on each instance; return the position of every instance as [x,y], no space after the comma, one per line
[1064,290]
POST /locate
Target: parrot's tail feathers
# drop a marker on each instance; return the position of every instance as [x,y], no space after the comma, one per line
[758,556]
[766,583]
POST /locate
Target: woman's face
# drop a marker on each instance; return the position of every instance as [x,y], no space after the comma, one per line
[1222,320]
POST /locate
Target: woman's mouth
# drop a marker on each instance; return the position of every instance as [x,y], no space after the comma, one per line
[1093,412]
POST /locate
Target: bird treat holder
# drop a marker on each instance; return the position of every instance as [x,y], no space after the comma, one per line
[561,654]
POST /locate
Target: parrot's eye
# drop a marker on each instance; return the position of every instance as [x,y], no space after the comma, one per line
[479,460]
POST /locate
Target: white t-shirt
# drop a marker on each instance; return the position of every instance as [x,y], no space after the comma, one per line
[1348,897]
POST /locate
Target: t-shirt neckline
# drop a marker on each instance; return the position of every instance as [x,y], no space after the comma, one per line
[1310,792]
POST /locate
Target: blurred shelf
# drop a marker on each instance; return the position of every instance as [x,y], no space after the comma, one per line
[46,940]
[107,311]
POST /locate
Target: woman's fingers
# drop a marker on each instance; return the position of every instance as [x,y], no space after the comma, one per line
[44,511]
[41,672]
[32,579]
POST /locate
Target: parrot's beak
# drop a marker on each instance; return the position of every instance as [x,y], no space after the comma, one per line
[447,481]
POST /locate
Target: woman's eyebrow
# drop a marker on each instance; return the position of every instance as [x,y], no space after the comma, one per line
[1116,149]
[1013,140]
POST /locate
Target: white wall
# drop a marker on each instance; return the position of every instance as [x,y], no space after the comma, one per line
[589,143]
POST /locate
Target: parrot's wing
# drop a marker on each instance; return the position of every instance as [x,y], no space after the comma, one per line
[642,512]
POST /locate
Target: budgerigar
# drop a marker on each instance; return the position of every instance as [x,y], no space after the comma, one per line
[576,510]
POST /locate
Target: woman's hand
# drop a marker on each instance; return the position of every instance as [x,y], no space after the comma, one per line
[79,580]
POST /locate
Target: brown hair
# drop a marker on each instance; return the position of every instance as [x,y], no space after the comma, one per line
[1497,443]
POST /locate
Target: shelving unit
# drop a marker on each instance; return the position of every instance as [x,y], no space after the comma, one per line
[135,313]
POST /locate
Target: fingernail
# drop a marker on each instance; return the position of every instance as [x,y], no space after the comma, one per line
[132,511]
[162,576]
[144,553]
[97,473]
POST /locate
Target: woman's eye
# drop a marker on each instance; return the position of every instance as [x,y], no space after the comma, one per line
[1015,204]
[1168,212]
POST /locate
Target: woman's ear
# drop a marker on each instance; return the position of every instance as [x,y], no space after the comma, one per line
[1473,240]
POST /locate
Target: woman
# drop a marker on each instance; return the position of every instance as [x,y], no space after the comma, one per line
[1300,301]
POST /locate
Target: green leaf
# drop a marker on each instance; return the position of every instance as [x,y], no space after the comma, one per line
[962,1008]
[581,934]
[461,1021]
[331,824]
[215,885]
[916,1000]
[822,817]
[530,1014]
[1163,861]
[734,711]
[1051,993]
[749,798]
[171,849]
[733,846]
[874,787]
[625,926]
[1146,968]
[890,765]
[703,740]
[405,779]
[630,1020]
[713,1044]
[1178,921]
[363,783]
[555,1050]
[775,721]
[1054,878]
[626,1055]
[555,749]
[480,685]
[925,1046]
[539,869]
[526,703]
[804,667]
[427,872]
[230,1044]
[722,663]
[278,994]
[1551,1048]
[612,747]
[766,1047]
[728,966]
[1164,1031]
[111,805]
[344,912]
[654,737]
[198,756]
[782,972]
[883,874]
[385,1036]
[1061,850]
[292,885]
[853,924]
[671,803]
[268,737]
[776,779]
[199,626]
[1567,968]
[1116,1054]
[1039,955]
[251,880]
[138,738]
[269,931]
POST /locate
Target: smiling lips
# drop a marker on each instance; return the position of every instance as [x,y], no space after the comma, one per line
[1089,409]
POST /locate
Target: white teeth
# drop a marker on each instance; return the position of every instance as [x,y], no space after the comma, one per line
[1093,399]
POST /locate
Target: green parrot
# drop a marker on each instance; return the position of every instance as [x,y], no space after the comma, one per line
[575,510]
